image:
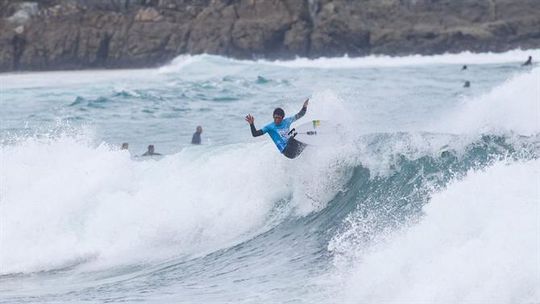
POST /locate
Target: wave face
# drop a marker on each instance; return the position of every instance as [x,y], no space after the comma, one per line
[433,189]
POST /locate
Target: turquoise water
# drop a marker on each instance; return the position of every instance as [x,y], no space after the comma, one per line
[428,178]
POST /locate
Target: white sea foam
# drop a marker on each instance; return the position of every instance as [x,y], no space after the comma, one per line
[513,106]
[76,202]
[345,62]
[65,201]
[478,243]
[180,62]
[397,61]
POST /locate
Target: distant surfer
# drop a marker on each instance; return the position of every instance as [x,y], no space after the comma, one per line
[150,151]
[464,67]
[528,62]
[279,131]
[196,139]
[467,84]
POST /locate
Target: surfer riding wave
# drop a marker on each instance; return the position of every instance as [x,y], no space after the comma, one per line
[279,131]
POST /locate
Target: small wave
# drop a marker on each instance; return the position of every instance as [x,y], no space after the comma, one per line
[83,103]
[512,57]
[126,93]
[78,100]
[262,80]
[225,98]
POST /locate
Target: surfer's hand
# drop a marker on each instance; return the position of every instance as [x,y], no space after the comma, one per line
[250,119]
[306,103]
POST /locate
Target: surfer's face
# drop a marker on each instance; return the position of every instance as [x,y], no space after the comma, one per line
[278,119]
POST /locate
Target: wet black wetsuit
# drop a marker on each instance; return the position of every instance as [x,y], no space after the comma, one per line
[196,139]
[293,148]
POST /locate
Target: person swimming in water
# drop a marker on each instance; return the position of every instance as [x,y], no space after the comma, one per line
[151,151]
[279,131]
[196,139]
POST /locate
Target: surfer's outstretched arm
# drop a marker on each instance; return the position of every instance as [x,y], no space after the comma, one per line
[254,132]
[302,111]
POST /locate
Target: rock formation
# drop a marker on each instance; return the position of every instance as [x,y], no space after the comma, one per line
[75,34]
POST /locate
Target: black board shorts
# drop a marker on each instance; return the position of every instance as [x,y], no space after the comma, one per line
[293,148]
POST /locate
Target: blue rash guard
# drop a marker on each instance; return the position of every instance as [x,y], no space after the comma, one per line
[288,146]
[278,133]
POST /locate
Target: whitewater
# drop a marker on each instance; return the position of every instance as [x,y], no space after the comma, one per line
[431,196]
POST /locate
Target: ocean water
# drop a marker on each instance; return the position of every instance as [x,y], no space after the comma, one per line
[431,195]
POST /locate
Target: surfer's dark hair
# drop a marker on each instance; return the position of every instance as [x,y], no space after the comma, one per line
[279,112]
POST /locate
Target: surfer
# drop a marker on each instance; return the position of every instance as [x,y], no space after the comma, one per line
[196,139]
[279,131]
[150,151]
[528,62]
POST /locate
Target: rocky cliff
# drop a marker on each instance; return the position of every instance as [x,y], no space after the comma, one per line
[74,34]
